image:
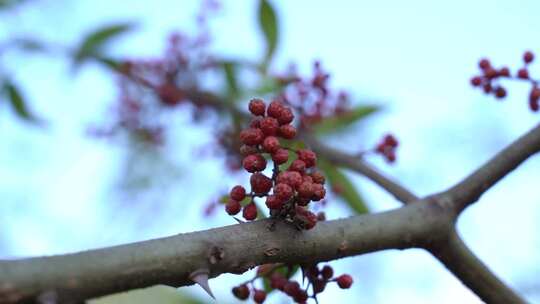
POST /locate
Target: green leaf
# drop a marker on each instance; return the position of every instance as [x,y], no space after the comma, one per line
[156,294]
[18,103]
[293,145]
[341,121]
[269,27]
[343,187]
[6,4]
[229,69]
[92,45]
[110,63]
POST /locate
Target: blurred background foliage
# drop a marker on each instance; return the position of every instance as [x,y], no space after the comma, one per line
[168,140]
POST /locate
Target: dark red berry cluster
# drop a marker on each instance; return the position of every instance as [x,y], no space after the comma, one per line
[278,277]
[490,77]
[289,190]
[387,148]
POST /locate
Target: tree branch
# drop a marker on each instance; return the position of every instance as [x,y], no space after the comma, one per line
[231,249]
[427,223]
[472,187]
[472,272]
[356,164]
[451,251]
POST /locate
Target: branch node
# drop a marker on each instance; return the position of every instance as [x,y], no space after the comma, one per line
[216,254]
[272,251]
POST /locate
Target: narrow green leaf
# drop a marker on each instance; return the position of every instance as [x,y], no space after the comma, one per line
[269,27]
[18,103]
[110,63]
[230,69]
[339,122]
[94,42]
[6,4]
[293,145]
[343,187]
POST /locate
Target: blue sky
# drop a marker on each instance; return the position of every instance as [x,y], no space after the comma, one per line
[414,58]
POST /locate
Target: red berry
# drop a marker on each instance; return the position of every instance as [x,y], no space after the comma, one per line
[280,156]
[308,157]
[504,72]
[487,87]
[259,296]
[528,57]
[307,218]
[500,92]
[169,94]
[318,285]
[241,292]
[274,109]
[491,73]
[233,207]
[273,202]
[260,183]
[254,162]
[390,155]
[283,191]
[277,281]
[312,272]
[476,81]
[534,105]
[327,272]
[287,131]
[270,144]
[298,165]
[318,192]
[291,178]
[286,116]
[251,136]
[269,126]
[300,296]
[523,73]
[306,190]
[250,212]
[535,94]
[321,216]
[303,201]
[291,288]
[238,193]
[255,123]
[264,269]
[484,64]
[344,281]
[310,220]
[307,178]
[391,141]
[247,150]
[318,177]
[257,107]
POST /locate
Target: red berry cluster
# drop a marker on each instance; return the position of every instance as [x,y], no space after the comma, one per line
[291,188]
[387,148]
[169,79]
[490,77]
[312,96]
[280,280]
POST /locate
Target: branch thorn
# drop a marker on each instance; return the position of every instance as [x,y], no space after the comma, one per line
[201,278]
